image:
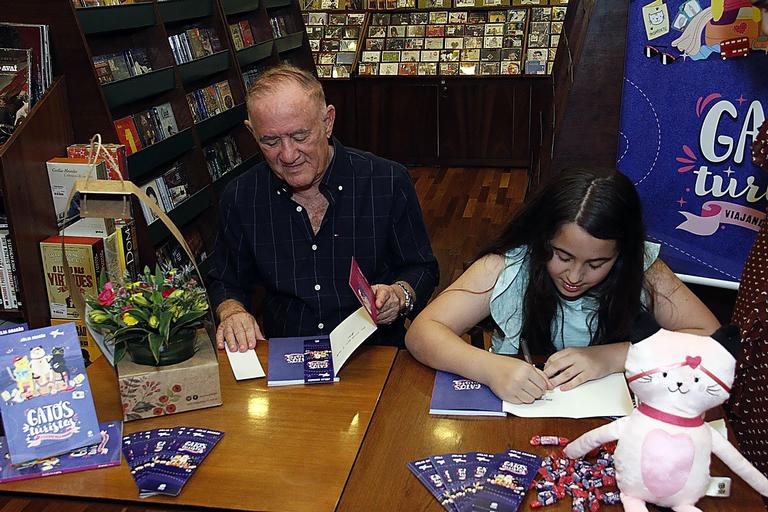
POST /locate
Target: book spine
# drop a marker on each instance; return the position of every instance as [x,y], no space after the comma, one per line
[12,270]
[4,276]
[130,250]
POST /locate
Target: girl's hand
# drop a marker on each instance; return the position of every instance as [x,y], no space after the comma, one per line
[516,381]
[573,366]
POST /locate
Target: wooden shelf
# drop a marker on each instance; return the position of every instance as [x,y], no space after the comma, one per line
[182,10]
[96,20]
[139,87]
[146,160]
[238,6]
[44,134]
[182,214]
[204,67]
[274,4]
[220,184]
[289,42]
[255,53]
[220,123]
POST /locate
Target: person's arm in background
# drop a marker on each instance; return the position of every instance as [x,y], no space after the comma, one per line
[434,337]
[410,255]
[231,279]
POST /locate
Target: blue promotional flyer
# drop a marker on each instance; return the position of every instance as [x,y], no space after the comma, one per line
[695,94]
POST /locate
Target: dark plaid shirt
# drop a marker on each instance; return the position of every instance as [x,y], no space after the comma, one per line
[265,238]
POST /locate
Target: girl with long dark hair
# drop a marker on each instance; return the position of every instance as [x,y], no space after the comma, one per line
[566,278]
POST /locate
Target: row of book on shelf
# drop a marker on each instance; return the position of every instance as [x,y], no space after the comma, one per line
[145,128]
[193,43]
[25,72]
[9,283]
[245,35]
[210,101]
[377,5]
[121,65]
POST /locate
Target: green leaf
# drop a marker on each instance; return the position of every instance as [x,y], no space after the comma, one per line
[138,313]
[165,324]
[159,278]
[127,331]
[187,319]
[119,352]
[155,342]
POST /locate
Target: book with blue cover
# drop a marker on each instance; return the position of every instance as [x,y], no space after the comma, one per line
[102,455]
[45,398]
[455,395]
[286,364]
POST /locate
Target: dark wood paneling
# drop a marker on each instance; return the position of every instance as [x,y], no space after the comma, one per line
[396,119]
[485,122]
[589,133]
[342,95]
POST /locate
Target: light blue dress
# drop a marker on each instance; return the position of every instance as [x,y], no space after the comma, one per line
[570,327]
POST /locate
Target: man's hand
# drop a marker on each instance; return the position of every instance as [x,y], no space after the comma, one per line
[237,327]
[573,366]
[390,301]
[516,381]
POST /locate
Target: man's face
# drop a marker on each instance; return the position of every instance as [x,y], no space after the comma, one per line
[292,131]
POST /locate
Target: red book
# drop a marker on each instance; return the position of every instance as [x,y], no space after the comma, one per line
[128,134]
[245,29]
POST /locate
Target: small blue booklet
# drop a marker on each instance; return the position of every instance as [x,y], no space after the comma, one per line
[45,398]
[162,460]
[455,395]
[300,360]
[105,454]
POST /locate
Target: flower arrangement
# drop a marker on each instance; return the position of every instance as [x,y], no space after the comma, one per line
[154,319]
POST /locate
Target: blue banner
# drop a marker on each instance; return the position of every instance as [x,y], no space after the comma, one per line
[695,94]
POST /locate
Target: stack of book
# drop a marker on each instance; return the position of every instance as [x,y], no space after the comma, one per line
[242,34]
[171,254]
[101,3]
[143,129]
[194,43]
[9,282]
[119,66]
[25,72]
[222,156]
[168,190]
[211,100]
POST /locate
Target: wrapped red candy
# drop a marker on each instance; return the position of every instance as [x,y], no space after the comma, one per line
[549,441]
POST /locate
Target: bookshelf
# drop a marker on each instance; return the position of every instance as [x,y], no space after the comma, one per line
[44,134]
[462,111]
[80,34]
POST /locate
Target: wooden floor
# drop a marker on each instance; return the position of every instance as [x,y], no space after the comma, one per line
[464,208]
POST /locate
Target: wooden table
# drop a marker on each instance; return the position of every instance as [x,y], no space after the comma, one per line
[284,449]
[402,431]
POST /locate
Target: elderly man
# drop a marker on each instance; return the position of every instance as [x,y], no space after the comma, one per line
[293,223]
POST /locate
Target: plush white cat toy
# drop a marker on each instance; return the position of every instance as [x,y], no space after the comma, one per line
[664,446]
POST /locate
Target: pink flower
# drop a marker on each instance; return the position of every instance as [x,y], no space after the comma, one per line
[157,411]
[107,297]
[166,293]
[176,388]
[126,308]
[171,408]
[163,399]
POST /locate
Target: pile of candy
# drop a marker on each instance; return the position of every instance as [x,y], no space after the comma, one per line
[588,483]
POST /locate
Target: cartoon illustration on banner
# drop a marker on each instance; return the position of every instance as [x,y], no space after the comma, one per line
[695,98]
